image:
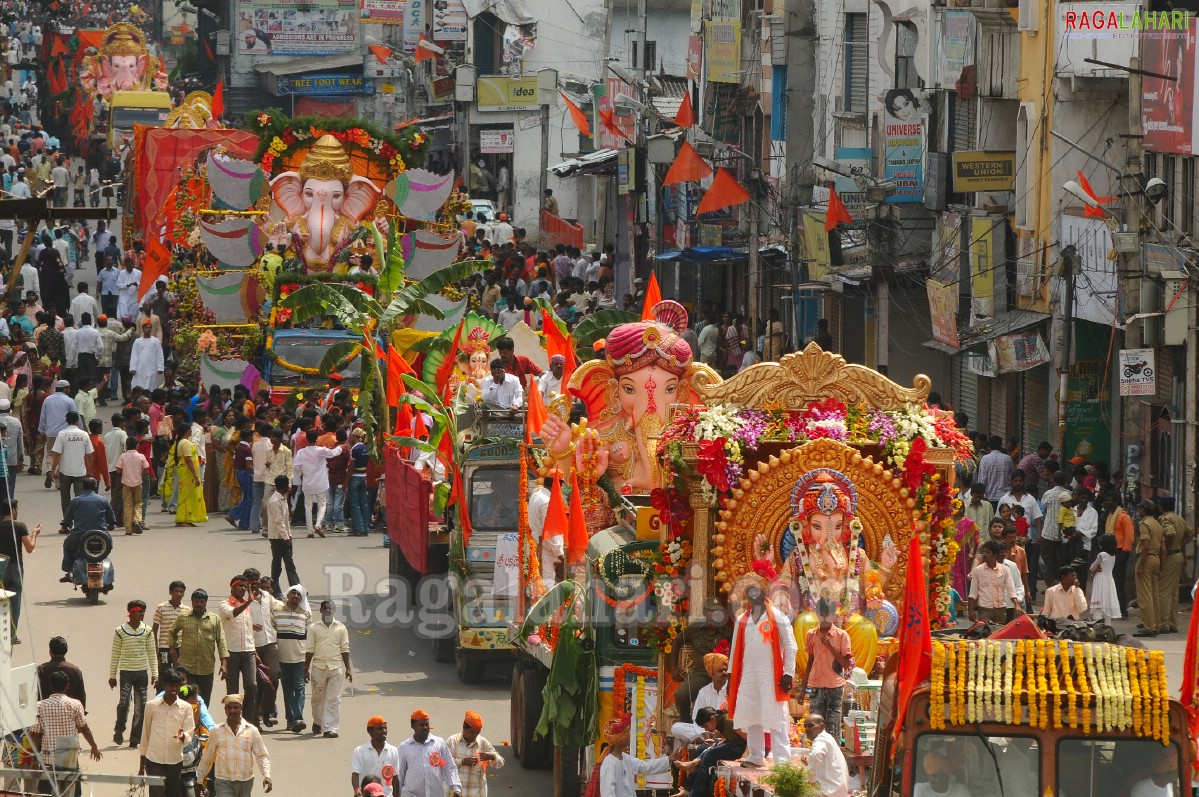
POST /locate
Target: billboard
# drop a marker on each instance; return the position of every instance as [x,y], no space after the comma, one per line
[507,93]
[309,85]
[382,12]
[984,171]
[1168,106]
[277,27]
[449,21]
[722,50]
[903,143]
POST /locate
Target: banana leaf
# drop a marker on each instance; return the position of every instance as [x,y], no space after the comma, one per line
[350,306]
[335,354]
[599,325]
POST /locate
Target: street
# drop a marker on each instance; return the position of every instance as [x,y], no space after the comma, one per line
[394,671]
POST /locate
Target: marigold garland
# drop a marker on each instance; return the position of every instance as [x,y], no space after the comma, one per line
[937,688]
[1080,671]
[1017,682]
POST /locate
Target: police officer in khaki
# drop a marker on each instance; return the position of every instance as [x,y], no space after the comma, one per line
[1150,550]
[1177,534]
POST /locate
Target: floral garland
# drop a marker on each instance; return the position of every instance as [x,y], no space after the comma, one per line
[279,134]
[673,562]
[1120,689]
[725,435]
[620,678]
[530,562]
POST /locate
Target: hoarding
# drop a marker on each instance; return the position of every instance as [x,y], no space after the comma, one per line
[277,27]
[984,171]
[496,142]
[495,93]
[903,142]
[1168,106]
[382,12]
[722,50]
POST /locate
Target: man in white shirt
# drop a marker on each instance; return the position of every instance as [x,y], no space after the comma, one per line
[327,668]
[550,383]
[1052,547]
[83,303]
[127,285]
[146,363]
[312,478]
[501,231]
[60,175]
[501,390]
[825,762]
[1065,600]
[552,549]
[68,459]
[711,697]
[418,773]
[106,278]
[238,625]
[375,757]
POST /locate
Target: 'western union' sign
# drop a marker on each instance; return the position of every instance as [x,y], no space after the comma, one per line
[984,171]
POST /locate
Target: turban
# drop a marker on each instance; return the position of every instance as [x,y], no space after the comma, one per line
[557,358]
[420,715]
[473,720]
[713,662]
[375,722]
[618,727]
[229,700]
[935,764]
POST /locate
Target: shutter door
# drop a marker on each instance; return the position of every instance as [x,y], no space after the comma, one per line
[965,123]
[966,395]
[1163,362]
[1036,408]
[998,406]
[857,61]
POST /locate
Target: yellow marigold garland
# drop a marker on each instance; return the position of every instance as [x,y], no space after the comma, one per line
[1068,685]
[1157,663]
[1150,699]
[1134,687]
[961,688]
[1042,684]
[936,684]
[1080,669]
[1030,658]
[1017,681]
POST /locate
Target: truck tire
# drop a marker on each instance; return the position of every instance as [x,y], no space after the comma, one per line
[470,668]
[568,781]
[535,753]
[515,707]
[443,649]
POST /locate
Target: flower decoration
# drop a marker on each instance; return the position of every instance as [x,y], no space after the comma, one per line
[263,119]
[435,760]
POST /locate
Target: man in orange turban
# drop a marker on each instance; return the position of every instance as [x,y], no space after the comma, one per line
[713,695]
[473,755]
[426,764]
[376,758]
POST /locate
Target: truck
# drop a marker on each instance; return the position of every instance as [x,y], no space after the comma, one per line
[129,108]
[293,357]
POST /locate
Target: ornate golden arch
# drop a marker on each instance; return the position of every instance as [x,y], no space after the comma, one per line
[762,505]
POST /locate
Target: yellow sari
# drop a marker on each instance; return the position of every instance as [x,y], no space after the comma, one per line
[191,491]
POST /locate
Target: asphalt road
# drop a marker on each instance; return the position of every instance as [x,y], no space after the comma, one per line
[394,669]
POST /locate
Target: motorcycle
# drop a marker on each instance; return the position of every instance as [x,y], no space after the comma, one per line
[92,570]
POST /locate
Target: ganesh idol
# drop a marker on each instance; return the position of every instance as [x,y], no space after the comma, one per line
[123,63]
[478,364]
[647,367]
[821,550]
[324,201]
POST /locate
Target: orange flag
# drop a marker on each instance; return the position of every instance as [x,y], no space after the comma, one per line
[724,192]
[577,115]
[404,421]
[557,343]
[422,53]
[555,515]
[1095,211]
[537,414]
[915,638]
[158,263]
[418,425]
[608,119]
[441,380]
[837,212]
[653,295]
[397,366]
[218,100]
[687,166]
[686,115]
[380,52]
[577,537]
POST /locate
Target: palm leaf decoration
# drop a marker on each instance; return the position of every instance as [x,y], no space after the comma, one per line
[596,326]
[439,347]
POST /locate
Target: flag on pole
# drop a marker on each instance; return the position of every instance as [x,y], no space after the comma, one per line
[577,116]
[837,212]
[724,192]
[218,100]
[1095,210]
[158,263]
[686,115]
[608,119]
[688,166]
[426,50]
[653,295]
[441,380]
[558,343]
[537,414]
[380,52]
[556,524]
[577,538]
[915,638]
[396,368]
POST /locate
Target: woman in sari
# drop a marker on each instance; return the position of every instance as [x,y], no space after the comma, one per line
[20,405]
[967,539]
[34,416]
[219,466]
[230,495]
[185,459]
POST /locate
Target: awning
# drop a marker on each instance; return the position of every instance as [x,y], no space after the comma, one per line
[1000,325]
[294,66]
[937,345]
[705,254]
[428,122]
[602,161]
[511,11]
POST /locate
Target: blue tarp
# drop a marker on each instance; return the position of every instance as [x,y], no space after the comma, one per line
[705,254]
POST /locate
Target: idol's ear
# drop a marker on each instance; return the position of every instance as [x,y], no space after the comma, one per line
[288,191]
[361,197]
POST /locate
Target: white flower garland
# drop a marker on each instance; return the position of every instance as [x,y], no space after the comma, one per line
[1009,704]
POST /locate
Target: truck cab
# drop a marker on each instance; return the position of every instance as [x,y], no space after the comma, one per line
[129,108]
[294,357]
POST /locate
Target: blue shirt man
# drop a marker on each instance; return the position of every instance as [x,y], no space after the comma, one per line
[87,511]
[55,409]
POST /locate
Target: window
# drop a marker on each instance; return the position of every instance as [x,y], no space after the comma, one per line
[1096,768]
[977,763]
[905,57]
[494,501]
[1169,175]
[857,62]
[651,58]
[1186,196]
[307,351]
[488,47]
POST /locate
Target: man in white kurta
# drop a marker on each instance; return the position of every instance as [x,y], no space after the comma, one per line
[618,770]
[762,670]
[146,362]
[824,760]
[127,284]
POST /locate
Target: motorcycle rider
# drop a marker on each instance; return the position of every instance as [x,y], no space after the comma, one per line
[88,511]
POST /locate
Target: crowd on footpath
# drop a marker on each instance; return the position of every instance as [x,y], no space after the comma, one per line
[1034,524]
[260,641]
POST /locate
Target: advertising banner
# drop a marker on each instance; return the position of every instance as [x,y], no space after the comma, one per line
[943,311]
[280,27]
[1136,373]
[449,21]
[415,18]
[722,50]
[982,277]
[1168,106]
[320,85]
[903,142]
[507,93]
[947,253]
[496,142]
[957,46]
[382,12]
[1019,352]
[984,171]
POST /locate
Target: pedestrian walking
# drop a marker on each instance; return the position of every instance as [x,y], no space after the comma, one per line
[68,459]
[132,467]
[312,475]
[278,532]
[427,767]
[473,755]
[266,644]
[327,667]
[291,625]
[76,689]
[134,666]
[234,747]
[197,638]
[376,758]
[168,726]
[60,721]
[238,625]
[165,615]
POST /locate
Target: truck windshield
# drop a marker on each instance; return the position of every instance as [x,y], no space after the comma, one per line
[1116,768]
[307,352]
[494,499]
[969,765]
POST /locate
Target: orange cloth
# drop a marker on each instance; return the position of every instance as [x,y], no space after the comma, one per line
[420,715]
[473,720]
[1120,525]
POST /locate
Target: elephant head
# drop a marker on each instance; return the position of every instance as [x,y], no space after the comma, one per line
[125,72]
[325,196]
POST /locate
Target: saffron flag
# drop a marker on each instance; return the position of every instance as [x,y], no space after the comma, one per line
[608,119]
[577,116]
[383,54]
[724,192]
[537,414]
[577,537]
[218,100]
[686,115]
[423,52]
[555,514]
[1190,674]
[404,422]
[1093,211]
[915,638]
[687,167]
[653,295]
[457,498]
[158,263]
[396,368]
[558,343]
[837,212]
[441,380]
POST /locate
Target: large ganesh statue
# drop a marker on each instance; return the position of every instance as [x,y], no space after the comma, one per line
[324,201]
[647,367]
[123,63]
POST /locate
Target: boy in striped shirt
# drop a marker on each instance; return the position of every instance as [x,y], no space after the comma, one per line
[134,658]
[164,620]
